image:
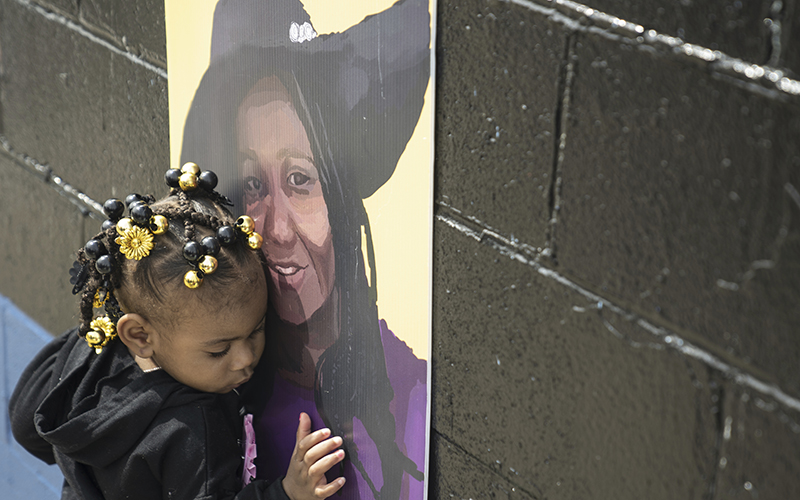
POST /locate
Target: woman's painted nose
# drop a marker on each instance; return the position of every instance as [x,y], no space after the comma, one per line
[278,220]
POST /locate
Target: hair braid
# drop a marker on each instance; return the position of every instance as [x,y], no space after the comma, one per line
[96,281]
[206,220]
[185,214]
[87,297]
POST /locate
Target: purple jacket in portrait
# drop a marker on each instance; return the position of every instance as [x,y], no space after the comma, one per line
[277,424]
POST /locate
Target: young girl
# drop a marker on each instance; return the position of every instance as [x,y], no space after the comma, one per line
[156,414]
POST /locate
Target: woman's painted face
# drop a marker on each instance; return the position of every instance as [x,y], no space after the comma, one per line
[283,195]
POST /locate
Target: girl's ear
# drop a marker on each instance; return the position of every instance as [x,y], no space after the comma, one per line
[137,334]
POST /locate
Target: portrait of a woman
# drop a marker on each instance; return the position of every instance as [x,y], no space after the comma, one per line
[307,126]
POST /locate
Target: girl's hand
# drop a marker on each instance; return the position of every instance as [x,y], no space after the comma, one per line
[314,454]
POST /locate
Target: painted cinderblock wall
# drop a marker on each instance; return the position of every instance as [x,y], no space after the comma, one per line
[616,238]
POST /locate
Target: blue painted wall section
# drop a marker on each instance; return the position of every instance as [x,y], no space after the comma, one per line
[22,476]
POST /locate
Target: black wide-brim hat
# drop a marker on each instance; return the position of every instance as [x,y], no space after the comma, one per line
[365,84]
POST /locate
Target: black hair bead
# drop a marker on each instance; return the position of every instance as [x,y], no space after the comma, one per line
[172,177]
[94,249]
[108,224]
[133,198]
[226,235]
[104,264]
[207,180]
[210,245]
[192,251]
[141,213]
[113,208]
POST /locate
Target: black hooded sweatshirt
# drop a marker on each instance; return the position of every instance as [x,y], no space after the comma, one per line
[119,433]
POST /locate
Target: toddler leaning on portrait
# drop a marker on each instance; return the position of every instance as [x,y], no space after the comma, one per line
[157,414]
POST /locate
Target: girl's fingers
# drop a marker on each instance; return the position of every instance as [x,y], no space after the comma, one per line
[310,441]
[319,450]
[329,489]
[324,464]
[303,428]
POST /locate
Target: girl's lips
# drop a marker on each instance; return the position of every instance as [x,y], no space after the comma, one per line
[237,385]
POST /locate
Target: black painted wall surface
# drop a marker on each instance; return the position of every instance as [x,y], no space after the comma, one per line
[617,234]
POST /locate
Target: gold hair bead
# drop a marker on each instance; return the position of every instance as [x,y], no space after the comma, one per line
[254,240]
[103,330]
[245,224]
[94,338]
[188,181]
[190,168]
[192,279]
[124,225]
[159,223]
[208,264]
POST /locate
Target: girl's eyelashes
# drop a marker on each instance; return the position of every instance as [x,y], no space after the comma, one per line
[220,353]
[259,329]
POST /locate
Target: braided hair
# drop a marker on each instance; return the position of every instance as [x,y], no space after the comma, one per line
[105,276]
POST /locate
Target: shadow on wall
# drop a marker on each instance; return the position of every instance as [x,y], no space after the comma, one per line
[22,476]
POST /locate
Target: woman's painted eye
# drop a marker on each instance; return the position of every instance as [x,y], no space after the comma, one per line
[252,184]
[297,179]
[220,353]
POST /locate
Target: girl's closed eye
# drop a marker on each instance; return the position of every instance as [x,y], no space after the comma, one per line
[220,353]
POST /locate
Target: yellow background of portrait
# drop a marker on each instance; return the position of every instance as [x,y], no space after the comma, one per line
[400,212]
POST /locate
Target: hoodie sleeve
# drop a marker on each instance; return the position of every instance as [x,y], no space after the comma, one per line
[191,452]
[39,377]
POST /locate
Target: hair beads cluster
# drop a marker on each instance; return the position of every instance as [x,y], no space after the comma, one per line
[141,251]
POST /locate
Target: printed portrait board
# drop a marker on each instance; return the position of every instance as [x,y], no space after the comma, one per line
[317,115]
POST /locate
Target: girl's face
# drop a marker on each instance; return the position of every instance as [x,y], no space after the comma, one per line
[283,195]
[213,348]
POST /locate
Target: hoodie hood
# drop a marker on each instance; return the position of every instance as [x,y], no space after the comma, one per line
[103,404]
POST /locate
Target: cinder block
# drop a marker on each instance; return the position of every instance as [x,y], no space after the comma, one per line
[42,230]
[790,48]
[675,201]
[758,448]
[137,26]
[497,73]
[456,474]
[735,28]
[97,118]
[534,382]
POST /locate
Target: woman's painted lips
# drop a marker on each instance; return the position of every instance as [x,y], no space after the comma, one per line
[288,276]
[288,270]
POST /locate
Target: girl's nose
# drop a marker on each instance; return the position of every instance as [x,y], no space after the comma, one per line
[243,357]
